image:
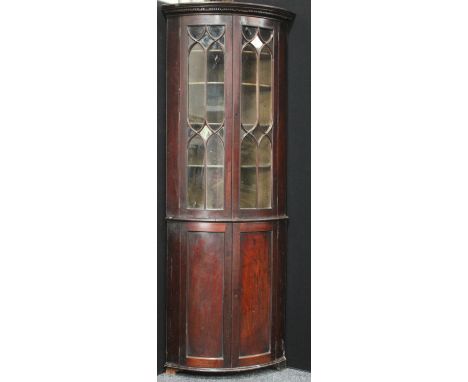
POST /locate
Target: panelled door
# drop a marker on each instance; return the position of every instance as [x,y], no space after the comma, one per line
[253,290]
[229,293]
[205,299]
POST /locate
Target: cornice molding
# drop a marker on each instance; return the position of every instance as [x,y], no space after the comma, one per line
[246,9]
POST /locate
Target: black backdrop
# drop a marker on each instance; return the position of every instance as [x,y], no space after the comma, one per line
[298,257]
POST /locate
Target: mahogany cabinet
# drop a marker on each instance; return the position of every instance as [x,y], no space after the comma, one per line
[226,185]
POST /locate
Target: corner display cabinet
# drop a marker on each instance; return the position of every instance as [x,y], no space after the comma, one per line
[226,185]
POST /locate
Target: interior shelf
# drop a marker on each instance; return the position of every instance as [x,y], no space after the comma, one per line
[252,84]
[207,165]
[203,52]
[221,166]
[208,83]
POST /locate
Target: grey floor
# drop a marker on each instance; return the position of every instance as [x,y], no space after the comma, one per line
[267,375]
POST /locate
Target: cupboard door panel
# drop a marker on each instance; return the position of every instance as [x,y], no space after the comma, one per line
[253,279]
[255,292]
[204,303]
[254,299]
[205,294]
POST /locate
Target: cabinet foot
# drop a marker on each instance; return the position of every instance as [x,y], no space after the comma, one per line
[280,365]
[170,371]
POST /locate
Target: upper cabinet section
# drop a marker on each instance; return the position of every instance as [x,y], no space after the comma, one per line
[225,135]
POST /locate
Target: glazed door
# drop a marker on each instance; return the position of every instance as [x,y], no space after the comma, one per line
[205,122]
[255,129]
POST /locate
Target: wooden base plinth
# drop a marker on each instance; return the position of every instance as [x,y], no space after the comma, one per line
[279,363]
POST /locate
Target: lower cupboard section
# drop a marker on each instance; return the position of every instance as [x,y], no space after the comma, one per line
[225,295]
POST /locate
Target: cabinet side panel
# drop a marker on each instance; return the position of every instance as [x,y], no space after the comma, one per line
[205,278]
[280,286]
[281,99]
[255,293]
[172,116]
[173,292]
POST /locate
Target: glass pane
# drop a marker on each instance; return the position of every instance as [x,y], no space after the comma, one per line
[248,32]
[206,40]
[215,127]
[248,152]
[215,86]
[265,34]
[215,59]
[196,151]
[264,187]
[205,133]
[196,105]
[196,90]
[248,189]
[249,64]
[215,151]
[197,64]
[216,30]
[215,187]
[249,106]
[256,42]
[196,31]
[214,103]
[195,186]
[264,152]
[249,87]
[258,133]
[265,112]
[197,126]
[264,173]
[265,66]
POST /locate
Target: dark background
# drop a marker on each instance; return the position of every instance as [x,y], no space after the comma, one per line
[298,256]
